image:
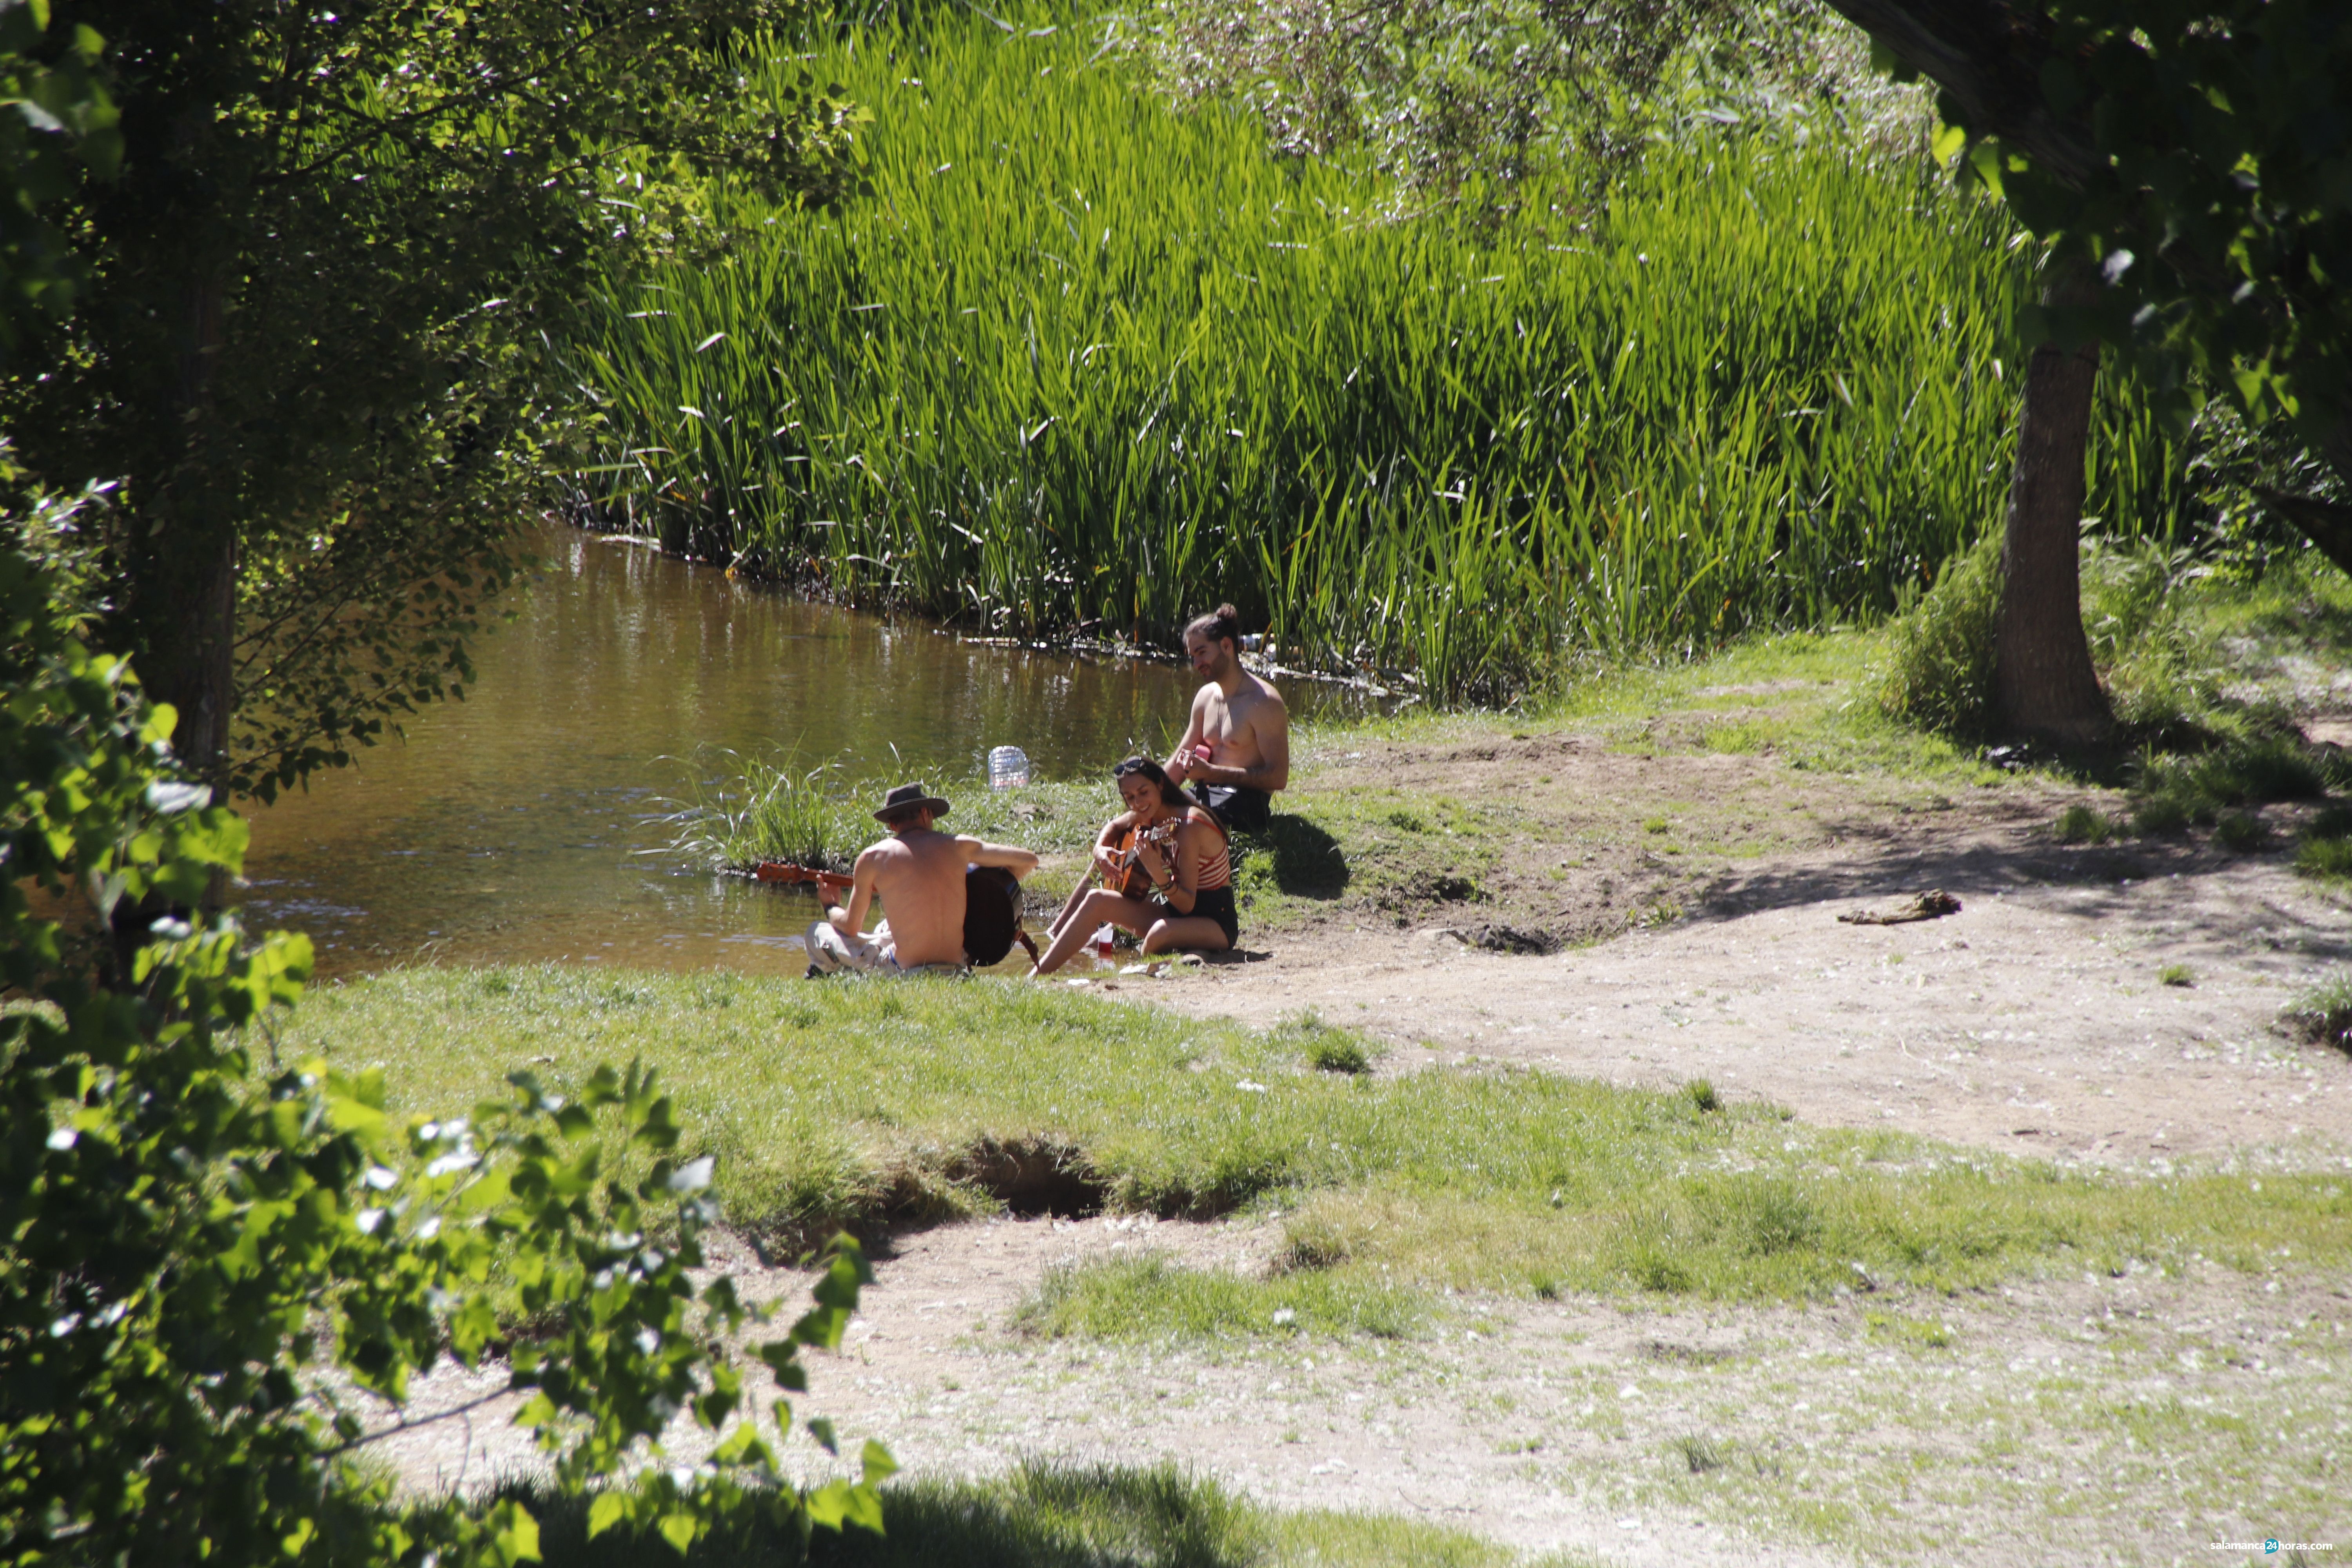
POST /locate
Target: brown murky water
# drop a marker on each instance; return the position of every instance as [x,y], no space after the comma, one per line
[526,822]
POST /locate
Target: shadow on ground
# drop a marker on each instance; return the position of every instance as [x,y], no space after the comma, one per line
[1041,1515]
[1307,862]
[1892,865]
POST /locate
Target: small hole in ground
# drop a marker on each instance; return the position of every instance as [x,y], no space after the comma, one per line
[1032,1178]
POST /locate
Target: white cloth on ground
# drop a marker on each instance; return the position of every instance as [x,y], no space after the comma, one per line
[831,951]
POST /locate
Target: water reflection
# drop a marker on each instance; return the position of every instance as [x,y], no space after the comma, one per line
[523,824]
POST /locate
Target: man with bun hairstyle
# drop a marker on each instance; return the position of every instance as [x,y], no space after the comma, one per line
[919,874]
[1236,751]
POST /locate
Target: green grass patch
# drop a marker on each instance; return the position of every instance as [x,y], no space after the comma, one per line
[1912,1333]
[2328,860]
[2080,824]
[2325,850]
[2203,670]
[1046,1514]
[1323,1047]
[1151,1298]
[858,1102]
[1802,696]
[2323,1015]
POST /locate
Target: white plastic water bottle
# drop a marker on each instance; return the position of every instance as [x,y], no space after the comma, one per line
[1008,768]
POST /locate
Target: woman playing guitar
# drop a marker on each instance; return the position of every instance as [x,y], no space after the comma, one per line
[1164,870]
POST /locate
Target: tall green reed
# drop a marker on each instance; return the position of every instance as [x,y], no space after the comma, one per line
[1080,360]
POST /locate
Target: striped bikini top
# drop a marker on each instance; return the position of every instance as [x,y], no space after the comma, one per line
[1219,871]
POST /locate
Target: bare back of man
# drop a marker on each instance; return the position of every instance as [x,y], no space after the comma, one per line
[918,877]
[918,873]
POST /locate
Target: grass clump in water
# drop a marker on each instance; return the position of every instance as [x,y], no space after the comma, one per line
[744,810]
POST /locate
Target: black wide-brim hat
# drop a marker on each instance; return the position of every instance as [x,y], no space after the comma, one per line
[909,798]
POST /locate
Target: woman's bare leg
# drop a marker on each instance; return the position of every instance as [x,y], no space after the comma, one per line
[1196,931]
[1069,906]
[1095,908]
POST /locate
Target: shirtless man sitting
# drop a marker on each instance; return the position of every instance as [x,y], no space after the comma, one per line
[1236,751]
[918,873]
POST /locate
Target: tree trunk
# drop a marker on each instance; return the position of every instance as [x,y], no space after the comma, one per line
[186,604]
[183,590]
[2042,682]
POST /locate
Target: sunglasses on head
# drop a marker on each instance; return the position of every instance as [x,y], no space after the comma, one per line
[1129,769]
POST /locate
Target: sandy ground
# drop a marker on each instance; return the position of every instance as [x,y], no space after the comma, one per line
[2032,1020]
[1629,1436]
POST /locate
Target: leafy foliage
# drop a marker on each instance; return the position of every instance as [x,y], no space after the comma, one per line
[1455,102]
[54,110]
[2200,156]
[340,243]
[2220,208]
[215,1267]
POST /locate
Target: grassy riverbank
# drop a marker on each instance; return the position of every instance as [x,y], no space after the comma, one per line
[858,1104]
[1080,358]
[2225,666]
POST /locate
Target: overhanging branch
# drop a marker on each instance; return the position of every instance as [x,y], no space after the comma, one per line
[1988,57]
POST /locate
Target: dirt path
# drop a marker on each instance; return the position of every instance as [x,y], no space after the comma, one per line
[1875,1428]
[2033,1020]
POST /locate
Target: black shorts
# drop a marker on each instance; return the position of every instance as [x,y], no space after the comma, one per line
[1212,904]
[1239,807]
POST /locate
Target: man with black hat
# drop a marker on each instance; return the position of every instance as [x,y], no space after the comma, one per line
[919,874]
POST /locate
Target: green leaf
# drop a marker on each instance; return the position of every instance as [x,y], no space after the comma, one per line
[1950,141]
[606,1511]
[514,1533]
[879,1466]
[862,1507]
[1984,158]
[679,1530]
[829,1504]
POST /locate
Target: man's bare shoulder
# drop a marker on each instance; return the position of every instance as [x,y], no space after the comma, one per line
[885,852]
[1266,697]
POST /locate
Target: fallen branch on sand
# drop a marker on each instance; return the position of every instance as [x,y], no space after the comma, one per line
[1928,906]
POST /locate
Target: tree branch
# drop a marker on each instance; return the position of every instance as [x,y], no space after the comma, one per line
[1989,56]
[2326,524]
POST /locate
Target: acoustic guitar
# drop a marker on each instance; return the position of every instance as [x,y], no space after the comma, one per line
[832,884]
[1134,881]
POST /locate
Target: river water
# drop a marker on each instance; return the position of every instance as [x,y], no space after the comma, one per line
[525,823]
